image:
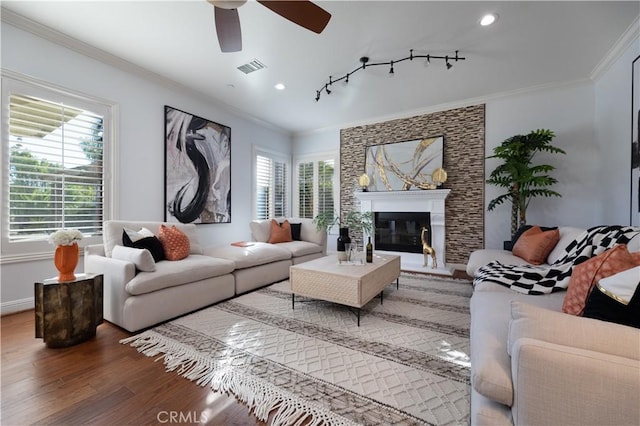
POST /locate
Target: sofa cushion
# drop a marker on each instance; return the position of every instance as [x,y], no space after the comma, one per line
[170,274]
[142,258]
[246,257]
[479,258]
[562,329]
[279,232]
[568,234]
[153,244]
[175,242]
[586,274]
[112,233]
[301,248]
[490,362]
[534,245]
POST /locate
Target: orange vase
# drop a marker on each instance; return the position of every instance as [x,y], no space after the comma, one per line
[66,260]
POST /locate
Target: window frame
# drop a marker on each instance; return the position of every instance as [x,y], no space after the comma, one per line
[315,158]
[274,156]
[18,84]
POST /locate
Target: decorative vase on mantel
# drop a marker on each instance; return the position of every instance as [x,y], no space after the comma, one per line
[66,260]
[343,239]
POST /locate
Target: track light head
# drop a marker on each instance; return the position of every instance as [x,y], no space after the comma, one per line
[328,91]
[391,70]
[449,66]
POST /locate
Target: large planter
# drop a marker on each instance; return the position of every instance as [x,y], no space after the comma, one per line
[66,260]
[343,239]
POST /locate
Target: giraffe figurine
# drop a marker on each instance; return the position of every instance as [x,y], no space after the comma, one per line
[427,250]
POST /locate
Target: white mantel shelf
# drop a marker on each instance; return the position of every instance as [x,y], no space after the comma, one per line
[428,200]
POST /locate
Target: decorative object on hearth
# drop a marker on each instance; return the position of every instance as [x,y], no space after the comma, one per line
[67,252]
[197,169]
[427,250]
[404,165]
[375,371]
[366,64]
[301,12]
[519,177]
[364,182]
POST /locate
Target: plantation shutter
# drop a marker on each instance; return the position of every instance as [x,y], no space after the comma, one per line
[271,187]
[55,168]
[325,186]
[305,190]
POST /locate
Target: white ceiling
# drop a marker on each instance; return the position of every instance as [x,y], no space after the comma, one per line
[532,44]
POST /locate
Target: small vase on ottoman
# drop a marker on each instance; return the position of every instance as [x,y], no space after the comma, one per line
[67,252]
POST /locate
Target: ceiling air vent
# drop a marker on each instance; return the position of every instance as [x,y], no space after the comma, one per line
[252,66]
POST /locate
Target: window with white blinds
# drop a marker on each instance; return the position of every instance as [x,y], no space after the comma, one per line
[271,186]
[54,177]
[55,168]
[316,185]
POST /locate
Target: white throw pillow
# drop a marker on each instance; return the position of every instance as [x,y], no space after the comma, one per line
[141,257]
[623,284]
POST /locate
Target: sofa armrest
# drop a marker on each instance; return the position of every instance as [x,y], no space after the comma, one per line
[558,384]
[117,273]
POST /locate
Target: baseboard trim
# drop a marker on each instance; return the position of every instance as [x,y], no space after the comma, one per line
[19,305]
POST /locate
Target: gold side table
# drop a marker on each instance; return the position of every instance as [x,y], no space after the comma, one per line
[68,312]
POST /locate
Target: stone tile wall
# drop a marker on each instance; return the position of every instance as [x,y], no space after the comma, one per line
[464,134]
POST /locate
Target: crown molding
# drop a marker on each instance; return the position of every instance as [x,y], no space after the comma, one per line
[630,36]
[447,106]
[93,52]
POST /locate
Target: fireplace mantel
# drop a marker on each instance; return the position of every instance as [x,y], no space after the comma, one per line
[432,201]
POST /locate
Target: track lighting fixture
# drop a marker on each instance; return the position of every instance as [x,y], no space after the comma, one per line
[365,63]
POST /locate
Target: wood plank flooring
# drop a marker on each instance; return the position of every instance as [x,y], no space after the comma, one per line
[99,382]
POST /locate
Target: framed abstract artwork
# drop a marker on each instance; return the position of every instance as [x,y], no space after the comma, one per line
[405,165]
[197,169]
[635,144]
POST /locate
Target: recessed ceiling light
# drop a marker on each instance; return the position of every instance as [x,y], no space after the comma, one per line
[488,19]
[280,86]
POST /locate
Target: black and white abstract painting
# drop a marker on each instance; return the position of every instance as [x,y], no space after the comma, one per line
[635,144]
[197,169]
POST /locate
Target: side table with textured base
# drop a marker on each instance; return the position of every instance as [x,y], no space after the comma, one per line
[68,312]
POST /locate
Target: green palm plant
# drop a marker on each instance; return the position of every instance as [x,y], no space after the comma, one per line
[522,180]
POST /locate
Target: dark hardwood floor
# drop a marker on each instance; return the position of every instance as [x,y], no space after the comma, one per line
[99,382]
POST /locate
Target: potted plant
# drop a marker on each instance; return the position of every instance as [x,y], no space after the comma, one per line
[353,220]
[519,177]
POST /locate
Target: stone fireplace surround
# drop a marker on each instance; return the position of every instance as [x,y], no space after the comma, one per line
[432,201]
[464,133]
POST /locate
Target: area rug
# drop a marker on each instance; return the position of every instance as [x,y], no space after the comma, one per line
[407,363]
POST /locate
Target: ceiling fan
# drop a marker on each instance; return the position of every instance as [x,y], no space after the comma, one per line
[301,12]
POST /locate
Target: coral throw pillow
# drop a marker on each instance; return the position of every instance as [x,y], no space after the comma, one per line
[280,233]
[586,274]
[534,245]
[175,242]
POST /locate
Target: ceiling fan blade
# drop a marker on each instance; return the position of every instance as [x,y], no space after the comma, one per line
[228,29]
[301,12]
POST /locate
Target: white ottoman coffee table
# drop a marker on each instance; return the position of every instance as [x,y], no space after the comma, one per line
[346,284]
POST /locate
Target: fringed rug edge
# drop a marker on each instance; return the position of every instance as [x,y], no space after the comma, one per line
[261,397]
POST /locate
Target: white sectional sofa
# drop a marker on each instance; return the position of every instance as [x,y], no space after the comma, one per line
[134,299]
[531,364]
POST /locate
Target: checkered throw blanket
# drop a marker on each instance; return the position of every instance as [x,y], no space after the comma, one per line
[547,279]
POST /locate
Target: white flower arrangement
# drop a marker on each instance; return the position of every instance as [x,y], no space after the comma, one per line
[65,237]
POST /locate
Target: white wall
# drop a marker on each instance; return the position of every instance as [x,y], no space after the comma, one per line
[140,161]
[613,136]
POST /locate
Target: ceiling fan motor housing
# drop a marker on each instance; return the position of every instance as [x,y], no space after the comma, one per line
[223,4]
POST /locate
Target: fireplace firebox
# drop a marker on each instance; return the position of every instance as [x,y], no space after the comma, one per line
[401,231]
